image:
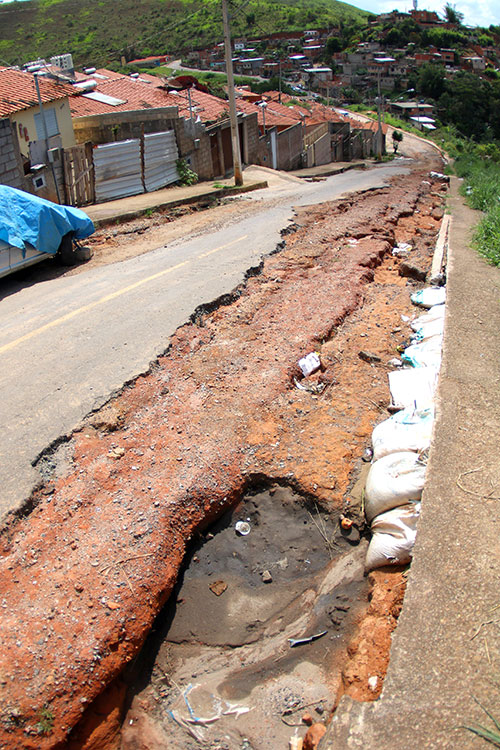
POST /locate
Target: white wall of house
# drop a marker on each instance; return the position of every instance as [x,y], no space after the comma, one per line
[58,116]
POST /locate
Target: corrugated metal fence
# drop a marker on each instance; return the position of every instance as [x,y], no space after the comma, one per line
[132,167]
[160,156]
[118,170]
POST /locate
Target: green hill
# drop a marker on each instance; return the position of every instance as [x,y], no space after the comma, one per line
[97,31]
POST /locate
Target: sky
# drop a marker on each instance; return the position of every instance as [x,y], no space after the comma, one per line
[476,12]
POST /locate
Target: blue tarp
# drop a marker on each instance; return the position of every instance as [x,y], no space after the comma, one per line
[25,218]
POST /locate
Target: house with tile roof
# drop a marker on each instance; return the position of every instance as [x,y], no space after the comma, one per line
[19,103]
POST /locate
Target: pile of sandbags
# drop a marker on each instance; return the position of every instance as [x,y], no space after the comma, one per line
[396,478]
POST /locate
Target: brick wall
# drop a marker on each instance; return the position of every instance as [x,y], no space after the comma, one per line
[119,126]
[252,150]
[11,170]
[290,147]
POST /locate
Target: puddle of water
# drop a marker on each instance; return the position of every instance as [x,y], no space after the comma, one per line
[225,630]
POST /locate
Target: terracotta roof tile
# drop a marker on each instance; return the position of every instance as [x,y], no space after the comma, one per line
[134,94]
[18,92]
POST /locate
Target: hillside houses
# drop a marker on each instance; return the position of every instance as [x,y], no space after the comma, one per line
[115,124]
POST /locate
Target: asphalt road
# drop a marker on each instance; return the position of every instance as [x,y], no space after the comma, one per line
[68,343]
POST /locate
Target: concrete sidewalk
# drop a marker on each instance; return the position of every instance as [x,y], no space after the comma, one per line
[446,648]
[136,205]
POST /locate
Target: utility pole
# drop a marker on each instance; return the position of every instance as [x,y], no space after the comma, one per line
[379,129]
[235,136]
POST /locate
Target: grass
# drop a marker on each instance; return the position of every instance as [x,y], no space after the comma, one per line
[481,187]
[490,735]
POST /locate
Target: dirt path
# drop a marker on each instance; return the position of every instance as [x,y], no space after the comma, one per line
[86,572]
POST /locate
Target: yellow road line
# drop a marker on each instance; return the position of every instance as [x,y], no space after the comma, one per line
[106,298]
[216,250]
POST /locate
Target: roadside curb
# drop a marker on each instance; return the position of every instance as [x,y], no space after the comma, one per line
[451,588]
[219,193]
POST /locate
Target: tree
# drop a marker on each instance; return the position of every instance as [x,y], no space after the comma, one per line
[397,137]
[431,80]
[452,15]
[333,44]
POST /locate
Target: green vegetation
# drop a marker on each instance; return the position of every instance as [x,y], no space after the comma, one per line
[42,28]
[490,735]
[186,174]
[479,166]
[45,722]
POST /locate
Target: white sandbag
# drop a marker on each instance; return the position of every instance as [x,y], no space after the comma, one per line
[393,537]
[413,386]
[407,430]
[436,312]
[424,354]
[393,480]
[433,295]
[427,330]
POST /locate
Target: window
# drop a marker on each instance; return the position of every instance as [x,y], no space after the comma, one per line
[51,122]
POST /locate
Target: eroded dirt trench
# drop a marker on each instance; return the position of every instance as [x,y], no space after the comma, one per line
[218,425]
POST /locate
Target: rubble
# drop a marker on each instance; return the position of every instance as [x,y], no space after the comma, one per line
[117,523]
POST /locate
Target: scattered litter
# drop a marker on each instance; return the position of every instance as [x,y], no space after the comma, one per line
[396,479]
[439,176]
[405,318]
[295,743]
[402,248]
[352,241]
[309,364]
[413,386]
[217,587]
[345,522]
[242,528]
[266,576]
[182,723]
[367,455]
[194,724]
[395,362]
[373,682]
[432,295]
[369,357]
[408,430]
[315,388]
[301,641]
[234,710]
[393,537]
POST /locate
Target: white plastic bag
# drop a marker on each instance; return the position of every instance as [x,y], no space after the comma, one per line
[393,537]
[413,386]
[393,480]
[433,295]
[407,430]
[424,354]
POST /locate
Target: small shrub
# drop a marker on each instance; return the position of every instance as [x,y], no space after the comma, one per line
[45,723]
[186,174]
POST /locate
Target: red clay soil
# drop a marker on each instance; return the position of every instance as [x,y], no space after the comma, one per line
[85,573]
[368,652]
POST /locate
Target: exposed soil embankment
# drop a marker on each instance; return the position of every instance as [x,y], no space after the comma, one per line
[85,573]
